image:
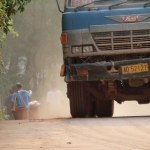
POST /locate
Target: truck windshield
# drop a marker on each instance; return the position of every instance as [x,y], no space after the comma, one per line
[83,5]
[96,3]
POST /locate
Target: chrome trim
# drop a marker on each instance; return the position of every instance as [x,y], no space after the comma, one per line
[119,27]
[119,18]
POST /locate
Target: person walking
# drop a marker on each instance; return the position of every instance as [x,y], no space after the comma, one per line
[54,98]
[8,104]
[20,103]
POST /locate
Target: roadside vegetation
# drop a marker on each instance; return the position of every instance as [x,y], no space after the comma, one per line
[4,116]
[35,56]
[8,8]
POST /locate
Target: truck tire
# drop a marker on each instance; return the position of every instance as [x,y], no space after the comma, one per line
[76,95]
[105,108]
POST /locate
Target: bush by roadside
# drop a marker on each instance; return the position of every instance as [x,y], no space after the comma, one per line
[4,116]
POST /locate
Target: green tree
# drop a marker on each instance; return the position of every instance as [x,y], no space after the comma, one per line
[8,8]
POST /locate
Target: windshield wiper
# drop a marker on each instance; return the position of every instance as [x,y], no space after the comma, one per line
[86,4]
[145,5]
[110,7]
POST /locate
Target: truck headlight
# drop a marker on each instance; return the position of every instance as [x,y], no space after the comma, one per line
[87,49]
[76,49]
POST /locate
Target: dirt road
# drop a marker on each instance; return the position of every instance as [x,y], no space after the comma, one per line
[130,133]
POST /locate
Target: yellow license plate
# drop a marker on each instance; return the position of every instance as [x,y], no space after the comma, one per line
[136,68]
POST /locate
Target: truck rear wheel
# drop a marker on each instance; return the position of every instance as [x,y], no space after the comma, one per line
[104,108]
[76,94]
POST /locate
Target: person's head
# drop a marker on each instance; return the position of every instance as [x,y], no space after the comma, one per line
[53,84]
[15,89]
[19,85]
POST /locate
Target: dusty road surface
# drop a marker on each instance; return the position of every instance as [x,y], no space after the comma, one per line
[128,133]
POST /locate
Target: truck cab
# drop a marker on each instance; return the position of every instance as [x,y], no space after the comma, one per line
[106,52]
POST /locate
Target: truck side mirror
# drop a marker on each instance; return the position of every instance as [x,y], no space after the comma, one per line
[58,5]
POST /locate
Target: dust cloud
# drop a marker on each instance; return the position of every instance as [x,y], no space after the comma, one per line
[64,112]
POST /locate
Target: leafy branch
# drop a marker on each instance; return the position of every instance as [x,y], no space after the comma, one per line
[7,9]
[4,116]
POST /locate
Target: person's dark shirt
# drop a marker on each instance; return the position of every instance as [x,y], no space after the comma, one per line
[8,104]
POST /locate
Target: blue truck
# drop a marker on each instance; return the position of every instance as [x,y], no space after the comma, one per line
[106,53]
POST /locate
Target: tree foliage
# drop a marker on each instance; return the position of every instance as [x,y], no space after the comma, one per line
[7,9]
[4,116]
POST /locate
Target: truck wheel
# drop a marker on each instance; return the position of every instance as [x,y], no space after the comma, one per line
[76,95]
[105,108]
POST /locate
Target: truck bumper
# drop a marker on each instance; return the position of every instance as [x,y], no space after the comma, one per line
[104,71]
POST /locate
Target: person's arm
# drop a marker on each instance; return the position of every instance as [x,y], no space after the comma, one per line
[30,92]
[5,104]
[13,106]
[13,100]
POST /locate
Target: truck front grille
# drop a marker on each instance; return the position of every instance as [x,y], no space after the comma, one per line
[119,57]
[122,40]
